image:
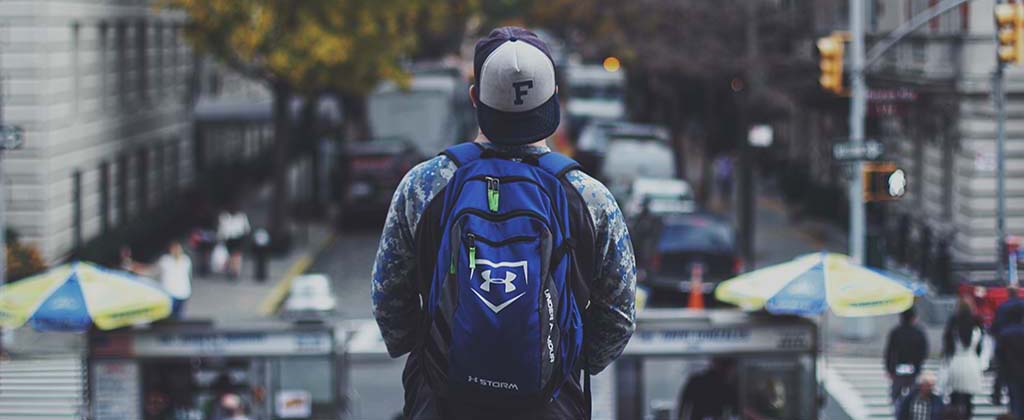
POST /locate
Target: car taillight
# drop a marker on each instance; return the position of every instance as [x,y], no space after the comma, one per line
[655,263]
[737,265]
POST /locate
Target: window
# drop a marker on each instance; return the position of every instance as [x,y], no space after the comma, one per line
[141,180]
[104,32]
[122,62]
[105,197]
[158,41]
[76,71]
[159,163]
[175,171]
[141,57]
[122,188]
[76,208]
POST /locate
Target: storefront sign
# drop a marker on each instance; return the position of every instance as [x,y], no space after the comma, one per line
[253,343]
[293,404]
[720,340]
[115,390]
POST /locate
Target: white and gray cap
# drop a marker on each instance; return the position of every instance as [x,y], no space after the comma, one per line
[515,85]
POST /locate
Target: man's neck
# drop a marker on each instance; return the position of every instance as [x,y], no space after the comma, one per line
[481,138]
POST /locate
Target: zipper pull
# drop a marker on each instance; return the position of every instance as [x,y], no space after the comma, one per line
[493,193]
[472,252]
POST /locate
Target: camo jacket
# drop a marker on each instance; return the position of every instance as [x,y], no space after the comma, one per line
[396,301]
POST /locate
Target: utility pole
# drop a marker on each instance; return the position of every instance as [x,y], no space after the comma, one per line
[748,190]
[858,102]
[999,99]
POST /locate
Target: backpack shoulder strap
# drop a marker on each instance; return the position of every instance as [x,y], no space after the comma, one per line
[557,164]
[463,153]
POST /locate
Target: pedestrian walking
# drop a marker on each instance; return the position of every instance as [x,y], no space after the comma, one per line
[174,270]
[922,403]
[723,166]
[1001,320]
[499,256]
[961,347]
[232,228]
[905,351]
[1010,358]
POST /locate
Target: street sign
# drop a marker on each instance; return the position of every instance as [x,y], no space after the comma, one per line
[869,150]
[11,137]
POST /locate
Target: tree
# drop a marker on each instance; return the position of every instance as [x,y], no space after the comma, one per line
[689,65]
[309,46]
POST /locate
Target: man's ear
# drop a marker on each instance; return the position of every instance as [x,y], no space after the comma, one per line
[472,95]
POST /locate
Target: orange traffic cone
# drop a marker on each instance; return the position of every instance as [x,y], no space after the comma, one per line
[696,300]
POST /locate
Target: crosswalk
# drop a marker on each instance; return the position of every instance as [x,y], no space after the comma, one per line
[49,388]
[865,378]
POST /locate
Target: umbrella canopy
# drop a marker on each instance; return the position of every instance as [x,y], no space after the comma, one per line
[74,296]
[813,283]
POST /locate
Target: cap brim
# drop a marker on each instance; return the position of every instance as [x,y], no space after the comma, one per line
[517,128]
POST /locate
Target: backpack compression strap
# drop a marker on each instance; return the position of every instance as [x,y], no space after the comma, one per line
[464,153]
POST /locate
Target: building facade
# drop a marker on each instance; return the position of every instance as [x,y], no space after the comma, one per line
[930,103]
[105,92]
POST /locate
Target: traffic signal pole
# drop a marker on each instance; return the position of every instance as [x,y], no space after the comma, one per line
[858,104]
[999,101]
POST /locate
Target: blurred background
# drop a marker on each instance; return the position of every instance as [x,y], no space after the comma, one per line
[735,134]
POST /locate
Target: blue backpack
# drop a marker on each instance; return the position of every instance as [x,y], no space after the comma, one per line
[506,295]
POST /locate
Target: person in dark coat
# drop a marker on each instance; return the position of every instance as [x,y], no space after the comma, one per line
[922,403]
[1010,355]
[1002,319]
[905,352]
[713,393]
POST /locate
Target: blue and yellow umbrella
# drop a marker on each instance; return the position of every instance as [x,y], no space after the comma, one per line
[72,297]
[813,283]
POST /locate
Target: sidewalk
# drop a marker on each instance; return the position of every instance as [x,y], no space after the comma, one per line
[219,298]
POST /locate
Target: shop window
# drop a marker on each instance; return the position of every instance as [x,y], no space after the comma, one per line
[122,188]
[76,208]
[105,197]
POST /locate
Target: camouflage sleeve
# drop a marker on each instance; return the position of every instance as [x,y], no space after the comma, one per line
[396,302]
[612,313]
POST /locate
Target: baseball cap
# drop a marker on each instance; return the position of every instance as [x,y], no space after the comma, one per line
[517,102]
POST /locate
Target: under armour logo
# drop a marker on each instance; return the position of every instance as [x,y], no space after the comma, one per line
[496,300]
[507,281]
[521,89]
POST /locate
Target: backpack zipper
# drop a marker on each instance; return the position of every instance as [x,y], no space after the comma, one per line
[472,252]
[503,242]
[493,193]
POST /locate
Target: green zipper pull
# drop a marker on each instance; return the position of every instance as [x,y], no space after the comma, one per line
[472,251]
[493,193]
[451,268]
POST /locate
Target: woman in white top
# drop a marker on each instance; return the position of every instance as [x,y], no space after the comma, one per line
[232,227]
[961,346]
[175,273]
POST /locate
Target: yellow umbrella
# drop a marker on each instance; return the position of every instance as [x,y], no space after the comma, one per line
[810,284]
[74,296]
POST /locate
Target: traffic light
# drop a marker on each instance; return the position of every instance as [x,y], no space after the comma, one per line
[1010,26]
[830,52]
[883,181]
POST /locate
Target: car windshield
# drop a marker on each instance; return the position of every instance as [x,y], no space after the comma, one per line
[697,235]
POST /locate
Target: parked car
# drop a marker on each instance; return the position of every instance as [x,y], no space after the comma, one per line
[310,293]
[681,246]
[372,171]
[662,196]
